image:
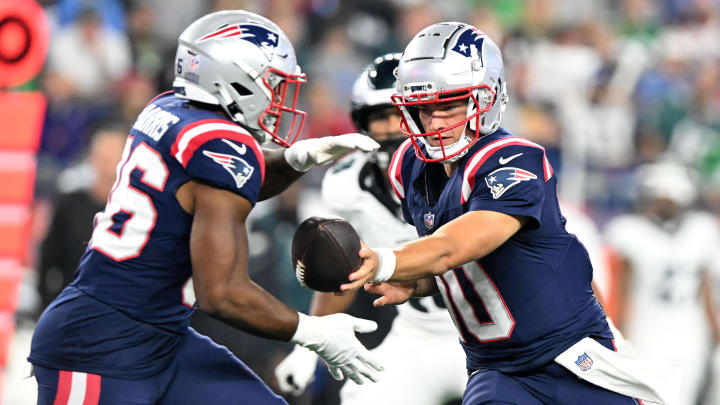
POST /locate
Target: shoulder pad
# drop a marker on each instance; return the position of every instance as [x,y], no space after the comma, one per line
[478,160]
[194,135]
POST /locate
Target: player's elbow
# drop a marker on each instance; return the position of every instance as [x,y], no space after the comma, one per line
[226,301]
[213,299]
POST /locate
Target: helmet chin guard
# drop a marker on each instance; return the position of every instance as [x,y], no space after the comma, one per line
[446,62]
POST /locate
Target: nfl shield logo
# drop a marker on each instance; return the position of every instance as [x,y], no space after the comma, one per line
[584,362]
[429,220]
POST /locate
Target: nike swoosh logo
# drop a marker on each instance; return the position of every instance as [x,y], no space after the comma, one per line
[239,149]
[504,160]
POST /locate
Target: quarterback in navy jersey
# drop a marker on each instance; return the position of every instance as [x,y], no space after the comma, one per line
[494,244]
[192,169]
[357,189]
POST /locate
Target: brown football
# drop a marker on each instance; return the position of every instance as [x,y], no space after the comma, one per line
[324,252]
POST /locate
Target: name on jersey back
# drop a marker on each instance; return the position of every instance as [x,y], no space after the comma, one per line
[153,121]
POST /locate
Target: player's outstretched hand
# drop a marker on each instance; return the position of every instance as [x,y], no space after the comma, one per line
[296,371]
[303,155]
[366,272]
[393,293]
[333,338]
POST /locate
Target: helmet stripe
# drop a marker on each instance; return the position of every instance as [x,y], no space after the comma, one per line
[234,28]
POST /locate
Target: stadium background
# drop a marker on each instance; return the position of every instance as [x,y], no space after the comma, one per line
[604,85]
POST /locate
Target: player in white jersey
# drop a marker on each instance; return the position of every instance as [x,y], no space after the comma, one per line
[357,189]
[666,249]
[713,394]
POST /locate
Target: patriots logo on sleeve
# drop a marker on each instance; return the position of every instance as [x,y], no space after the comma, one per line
[503,178]
[261,37]
[470,36]
[236,166]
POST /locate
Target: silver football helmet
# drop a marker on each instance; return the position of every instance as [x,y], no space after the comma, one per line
[370,100]
[444,62]
[246,64]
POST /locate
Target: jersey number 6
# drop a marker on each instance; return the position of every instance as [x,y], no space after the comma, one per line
[123,228]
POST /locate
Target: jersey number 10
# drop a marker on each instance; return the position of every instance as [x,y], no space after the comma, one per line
[476,306]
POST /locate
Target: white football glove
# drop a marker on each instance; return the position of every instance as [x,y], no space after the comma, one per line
[333,338]
[303,155]
[296,371]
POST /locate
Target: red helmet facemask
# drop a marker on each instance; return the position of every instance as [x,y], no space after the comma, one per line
[281,84]
[411,126]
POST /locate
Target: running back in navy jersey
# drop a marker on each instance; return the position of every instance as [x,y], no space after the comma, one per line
[530,299]
[130,278]
[140,241]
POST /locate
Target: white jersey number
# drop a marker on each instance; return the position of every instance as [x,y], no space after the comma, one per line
[476,306]
[123,228]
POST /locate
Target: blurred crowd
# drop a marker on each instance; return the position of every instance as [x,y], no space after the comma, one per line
[605,86]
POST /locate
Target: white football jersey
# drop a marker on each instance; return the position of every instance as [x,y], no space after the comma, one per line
[666,316]
[583,227]
[350,190]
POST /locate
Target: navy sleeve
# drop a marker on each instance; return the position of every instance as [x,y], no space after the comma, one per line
[398,173]
[511,181]
[230,164]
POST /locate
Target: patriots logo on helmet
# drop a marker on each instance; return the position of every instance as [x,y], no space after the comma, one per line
[238,168]
[502,179]
[470,36]
[262,37]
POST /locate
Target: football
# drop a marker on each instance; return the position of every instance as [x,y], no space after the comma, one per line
[324,252]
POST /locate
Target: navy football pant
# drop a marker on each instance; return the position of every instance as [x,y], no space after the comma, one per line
[549,385]
[201,373]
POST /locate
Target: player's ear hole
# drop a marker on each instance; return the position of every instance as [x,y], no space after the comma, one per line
[241,90]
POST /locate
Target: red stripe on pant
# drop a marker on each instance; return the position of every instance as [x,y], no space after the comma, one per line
[92,390]
[63,388]
[91,396]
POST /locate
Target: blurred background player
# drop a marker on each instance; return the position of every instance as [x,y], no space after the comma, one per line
[83,193]
[667,248]
[192,170]
[493,240]
[358,189]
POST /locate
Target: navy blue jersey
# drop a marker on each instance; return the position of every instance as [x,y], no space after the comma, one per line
[530,299]
[124,312]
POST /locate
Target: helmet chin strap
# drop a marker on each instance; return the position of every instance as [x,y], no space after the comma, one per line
[436,152]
